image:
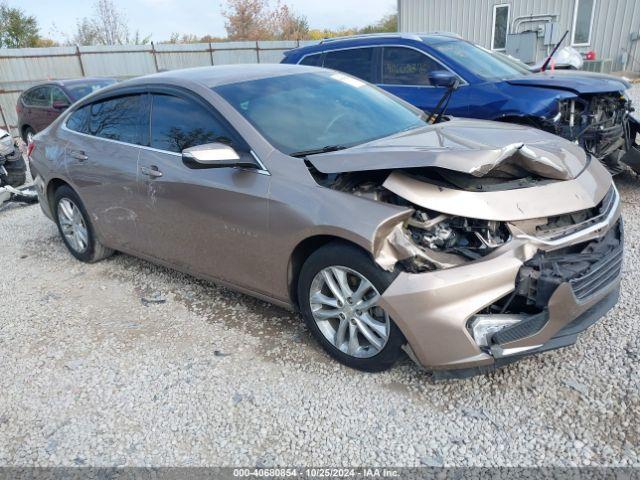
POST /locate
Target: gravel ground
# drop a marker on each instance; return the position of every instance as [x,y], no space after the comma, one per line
[126,363]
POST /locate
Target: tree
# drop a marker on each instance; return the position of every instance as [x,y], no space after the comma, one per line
[44,42]
[286,24]
[255,20]
[176,37]
[108,26]
[388,23]
[17,29]
[246,19]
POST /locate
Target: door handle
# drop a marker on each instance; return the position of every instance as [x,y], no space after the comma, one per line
[151,171]
[78,155]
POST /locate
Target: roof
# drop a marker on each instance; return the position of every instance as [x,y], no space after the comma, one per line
[224,74]
[74,81]
[374,39]
[408,36]
[68,82]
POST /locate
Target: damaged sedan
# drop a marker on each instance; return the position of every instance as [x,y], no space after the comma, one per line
[590,109]
[467,244]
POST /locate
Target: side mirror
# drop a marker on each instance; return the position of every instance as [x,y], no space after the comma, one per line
[60,105]
[215,155]
[444,78]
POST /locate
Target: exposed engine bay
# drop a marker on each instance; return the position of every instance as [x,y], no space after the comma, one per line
[601,125]
[429,240]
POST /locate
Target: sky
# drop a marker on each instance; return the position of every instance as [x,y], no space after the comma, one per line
[159,18]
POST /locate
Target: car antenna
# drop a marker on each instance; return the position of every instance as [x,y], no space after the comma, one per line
[553,52]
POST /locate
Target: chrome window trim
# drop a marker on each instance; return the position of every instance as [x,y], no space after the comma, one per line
[463,82]
[262,170]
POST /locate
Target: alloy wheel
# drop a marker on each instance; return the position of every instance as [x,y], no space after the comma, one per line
[73,225]
[344,305]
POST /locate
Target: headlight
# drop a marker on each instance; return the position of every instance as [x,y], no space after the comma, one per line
[466,236]
[484,326]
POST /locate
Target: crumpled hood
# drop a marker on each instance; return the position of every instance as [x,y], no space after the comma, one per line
[576,82]
[476,147]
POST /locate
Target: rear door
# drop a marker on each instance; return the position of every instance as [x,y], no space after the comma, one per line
[37,108]
[359,62]
[210,221]
[102,161]
[405,73]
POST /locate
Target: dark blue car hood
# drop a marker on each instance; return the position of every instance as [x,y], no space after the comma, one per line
[572,81]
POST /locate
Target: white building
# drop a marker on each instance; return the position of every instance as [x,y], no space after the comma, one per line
[528,29]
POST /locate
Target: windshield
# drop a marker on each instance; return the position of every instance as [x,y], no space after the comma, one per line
[485,64]
[311,111]
[82,89]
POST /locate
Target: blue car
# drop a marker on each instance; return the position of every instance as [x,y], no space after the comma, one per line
[591,109]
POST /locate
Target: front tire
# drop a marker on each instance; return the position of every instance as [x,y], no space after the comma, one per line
[75,228]
[338,292]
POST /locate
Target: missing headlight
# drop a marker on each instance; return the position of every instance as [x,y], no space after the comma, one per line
[469,237]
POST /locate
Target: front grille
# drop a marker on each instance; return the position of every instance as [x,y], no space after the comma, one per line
[588,268]
[598,276]
[563,225]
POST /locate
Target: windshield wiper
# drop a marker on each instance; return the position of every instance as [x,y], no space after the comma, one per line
[327,149]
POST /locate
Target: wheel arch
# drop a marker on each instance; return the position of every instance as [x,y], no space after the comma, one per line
[302,251]
[51,188]
[23,131]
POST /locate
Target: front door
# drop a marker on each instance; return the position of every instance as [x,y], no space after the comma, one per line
[212,222]
[405,73]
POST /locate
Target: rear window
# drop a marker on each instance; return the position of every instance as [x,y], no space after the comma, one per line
[82,89]
[355,61]
[311,60]
[38,97]
[122,119]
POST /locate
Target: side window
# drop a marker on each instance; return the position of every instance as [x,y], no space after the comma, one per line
[78,120]
[120,118]
[38,97]
[57,95]
[178,123]
[311,60]
[405,66]
[355,61]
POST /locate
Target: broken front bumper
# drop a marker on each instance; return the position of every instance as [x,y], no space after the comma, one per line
[433,309]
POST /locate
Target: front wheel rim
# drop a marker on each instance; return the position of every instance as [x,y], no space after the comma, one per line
[344,306]
[73,226]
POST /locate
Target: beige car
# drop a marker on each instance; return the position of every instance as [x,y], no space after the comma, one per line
[467,244]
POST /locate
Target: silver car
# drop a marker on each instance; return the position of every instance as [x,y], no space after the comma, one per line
[467,244]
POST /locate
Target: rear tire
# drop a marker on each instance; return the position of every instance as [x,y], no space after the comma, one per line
[28,133]
[350,313]
[75,228]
